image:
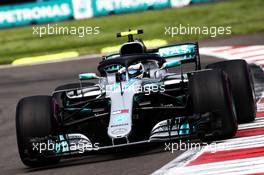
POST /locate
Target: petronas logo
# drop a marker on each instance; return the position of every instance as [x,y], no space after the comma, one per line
[82,9]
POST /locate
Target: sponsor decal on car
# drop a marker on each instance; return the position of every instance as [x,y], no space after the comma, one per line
[122,111]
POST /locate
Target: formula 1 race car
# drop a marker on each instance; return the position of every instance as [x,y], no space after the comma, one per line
[137,99]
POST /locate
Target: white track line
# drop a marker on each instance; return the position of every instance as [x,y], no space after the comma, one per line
[245,49]
[241,166]
[237,143]
[249,53]
[179,164]
[180,161]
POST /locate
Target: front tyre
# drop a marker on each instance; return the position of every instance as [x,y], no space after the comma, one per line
[242,87]
[210,92]
[34,119]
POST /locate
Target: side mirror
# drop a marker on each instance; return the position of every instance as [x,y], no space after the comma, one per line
[87,76]
[171,64]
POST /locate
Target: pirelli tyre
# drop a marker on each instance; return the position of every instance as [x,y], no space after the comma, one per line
[242,87]
[210,92]
[34,120]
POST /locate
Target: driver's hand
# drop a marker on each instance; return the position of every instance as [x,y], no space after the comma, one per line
[122,70]
[132,67]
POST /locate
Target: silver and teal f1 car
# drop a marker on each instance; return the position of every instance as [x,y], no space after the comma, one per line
[140,96]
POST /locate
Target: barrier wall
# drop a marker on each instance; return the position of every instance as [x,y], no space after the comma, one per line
[56,10]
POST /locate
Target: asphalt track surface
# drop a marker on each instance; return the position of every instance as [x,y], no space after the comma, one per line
[18,82]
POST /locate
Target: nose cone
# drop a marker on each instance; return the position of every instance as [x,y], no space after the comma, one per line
[120,126]
[120,123]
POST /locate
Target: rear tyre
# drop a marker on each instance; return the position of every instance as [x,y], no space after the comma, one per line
[242,87]
[210,92]
[34,119]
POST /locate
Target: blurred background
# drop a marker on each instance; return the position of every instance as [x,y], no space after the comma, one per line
[19,17]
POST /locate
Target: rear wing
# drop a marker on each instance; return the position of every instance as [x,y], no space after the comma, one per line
[185,53]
